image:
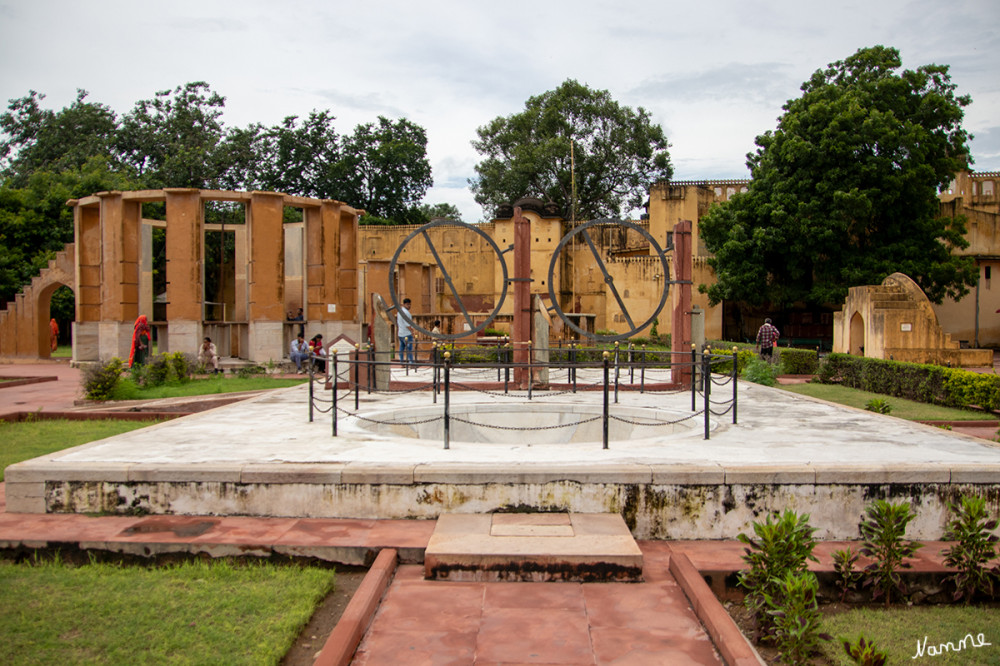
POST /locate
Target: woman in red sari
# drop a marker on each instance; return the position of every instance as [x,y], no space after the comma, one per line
[53,334]
[140,342]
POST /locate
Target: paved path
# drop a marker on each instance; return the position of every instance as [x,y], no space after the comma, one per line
[58,395]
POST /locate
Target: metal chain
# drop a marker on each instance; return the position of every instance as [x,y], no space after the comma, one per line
[655,423]
[723,412]
[377,421]
[528,428]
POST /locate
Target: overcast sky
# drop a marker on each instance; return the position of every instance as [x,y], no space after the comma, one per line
[714,75]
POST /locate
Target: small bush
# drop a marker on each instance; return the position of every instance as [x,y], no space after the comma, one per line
[972,529]
[760,371]
[778,547]
[165,368]
[883,528]
[743,358]
[799,361]
[100,380]
[848,577]
[796,618]
[878,405]
[255,370]
[864,652]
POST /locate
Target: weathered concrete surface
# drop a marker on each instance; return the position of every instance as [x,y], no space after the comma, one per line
[263,457]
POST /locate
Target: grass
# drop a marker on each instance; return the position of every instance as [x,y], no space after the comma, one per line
[127,390]
[897,631]
[190,613]
[901,408]
[29,439]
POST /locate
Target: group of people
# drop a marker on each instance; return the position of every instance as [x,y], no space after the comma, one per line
[302,351]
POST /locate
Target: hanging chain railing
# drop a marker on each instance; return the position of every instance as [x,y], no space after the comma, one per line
[359,371]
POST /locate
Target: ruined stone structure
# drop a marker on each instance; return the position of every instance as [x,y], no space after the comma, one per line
[273,267]
[895,320]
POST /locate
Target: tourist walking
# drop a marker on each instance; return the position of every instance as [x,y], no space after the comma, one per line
[405,333]
[767,337]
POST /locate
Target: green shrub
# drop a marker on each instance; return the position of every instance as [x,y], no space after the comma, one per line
[778,547]
[796,618]
[101,379]
[165,368]
[848,577]
[864,652]
[799,361]
[878,405]
[743,358]
[883,528]
[934,384]
[760,371]
[971,528]
[255,370]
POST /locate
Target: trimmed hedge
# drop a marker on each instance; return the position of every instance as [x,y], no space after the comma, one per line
[798,361]
[934,384]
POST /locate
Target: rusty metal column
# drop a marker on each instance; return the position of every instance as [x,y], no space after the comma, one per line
[680,332]
[521,331]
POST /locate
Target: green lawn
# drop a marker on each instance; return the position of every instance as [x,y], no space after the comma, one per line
[29,439]
[897,631]
[190,613]
[901,408]
[209,386]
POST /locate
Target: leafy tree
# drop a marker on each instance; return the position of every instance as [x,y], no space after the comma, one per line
[383,169]
[844,191]
[440,210]
[297,159]
[39,138]
[169,141]
[618,152]
[35,221]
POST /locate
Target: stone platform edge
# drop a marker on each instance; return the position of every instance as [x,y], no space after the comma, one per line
[48,469]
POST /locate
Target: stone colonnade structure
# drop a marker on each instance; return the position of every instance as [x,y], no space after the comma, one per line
[316,258]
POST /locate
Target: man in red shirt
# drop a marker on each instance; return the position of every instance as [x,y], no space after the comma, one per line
[767,337]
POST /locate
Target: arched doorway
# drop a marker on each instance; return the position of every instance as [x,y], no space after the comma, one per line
[857,343]
[55,301]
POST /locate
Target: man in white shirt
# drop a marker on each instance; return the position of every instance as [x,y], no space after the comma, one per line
[405,333]
[299,351]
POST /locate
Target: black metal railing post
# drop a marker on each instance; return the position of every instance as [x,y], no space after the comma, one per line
[617,370]
[310,388]
[736,374]
[506,367]
[631,363]
[357,378]
[333,408]
[642,370]
[370,367]
[530,371]
[694,377]
[447,400]
[604,424]
[706,373]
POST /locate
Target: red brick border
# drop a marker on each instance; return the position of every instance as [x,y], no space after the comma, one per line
[728,639]
[12,382]
[343,641]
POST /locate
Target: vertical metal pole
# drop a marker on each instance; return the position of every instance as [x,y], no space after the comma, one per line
[506,368]
[631,363]
[333,408]
[617,371]
[572,361]
[357,378]
[447,400]
[435,376]
[499,359]
[310,388]
[604,424]
[694,379]
[531,378]
[706,372]
[370,369]
[736,373]
[642,371]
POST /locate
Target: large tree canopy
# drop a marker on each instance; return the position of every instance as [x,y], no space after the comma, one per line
[618,152]
[844,191]
[178,139]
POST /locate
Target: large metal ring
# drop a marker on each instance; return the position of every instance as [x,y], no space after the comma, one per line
[583,230]
[422,231]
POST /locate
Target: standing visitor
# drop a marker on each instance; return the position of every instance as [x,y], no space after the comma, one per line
[140,342]
[767,337]
[405,333]
[53,334]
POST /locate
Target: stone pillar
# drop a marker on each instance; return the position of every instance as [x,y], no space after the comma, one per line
[119,287]
[266,288]
[521,327]
[185,248]
[87,250]
[680,331]
[347,273]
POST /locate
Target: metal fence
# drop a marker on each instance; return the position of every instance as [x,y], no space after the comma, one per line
[347,376]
